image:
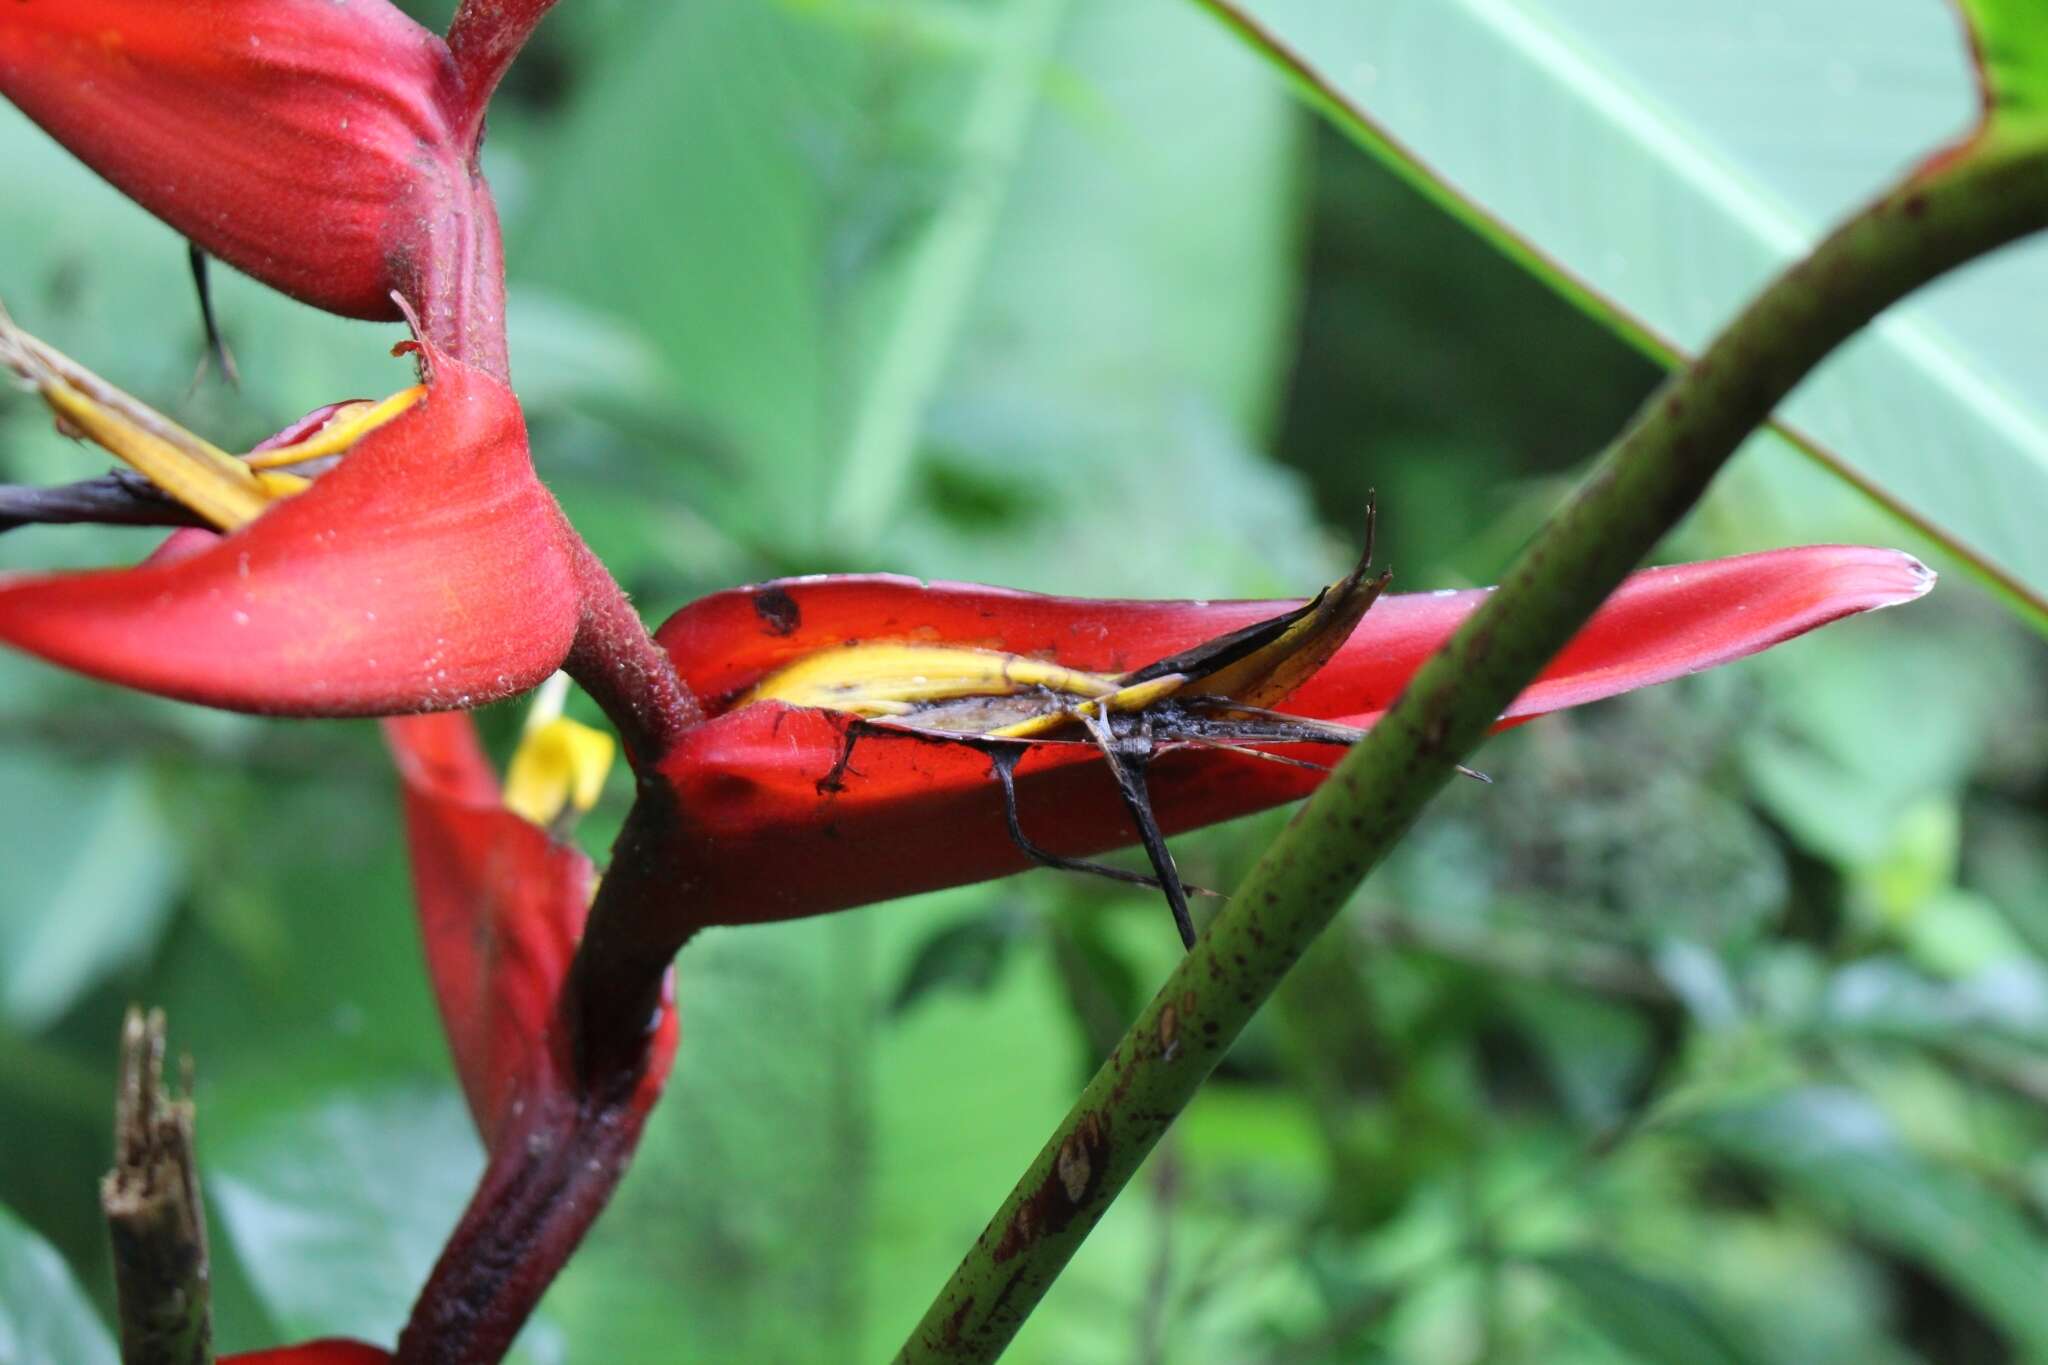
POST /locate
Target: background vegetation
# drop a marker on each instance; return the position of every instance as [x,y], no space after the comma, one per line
[1716,1030]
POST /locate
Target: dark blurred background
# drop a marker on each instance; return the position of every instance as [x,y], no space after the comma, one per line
[1715,1030]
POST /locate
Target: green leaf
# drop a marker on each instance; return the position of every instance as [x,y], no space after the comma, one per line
[1658,168]
[2012,48]
[1650,1317]
[1884,998]
[1838,1152]
[793,177]
[43,1314]
[967,956]
[986,250]
[93,875]
[1120,353]
[338,1203]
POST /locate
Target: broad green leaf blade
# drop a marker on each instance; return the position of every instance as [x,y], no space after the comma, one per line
[914,352]
[1841,1154]
[1125,340]
[93,874]
[860,219]
[818,187]
[2011,40]
[43,1314]
[1652,1318]
[338,1203]
[1659,164]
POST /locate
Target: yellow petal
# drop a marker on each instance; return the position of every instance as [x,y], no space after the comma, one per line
[560,765]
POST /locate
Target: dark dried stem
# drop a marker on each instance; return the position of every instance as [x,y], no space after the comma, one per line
[1976,201]
[121,498]
[154,1216]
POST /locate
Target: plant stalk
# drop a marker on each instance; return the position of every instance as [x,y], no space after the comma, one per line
[1980,197]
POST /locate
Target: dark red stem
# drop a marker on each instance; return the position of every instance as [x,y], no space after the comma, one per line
[574,1127]
[625,672]
[484,38]
[556,1163]
[550,1174]
[633,931]
[631,936]
[554,1167]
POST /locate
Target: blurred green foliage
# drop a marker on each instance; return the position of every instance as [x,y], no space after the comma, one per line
[1715,1030]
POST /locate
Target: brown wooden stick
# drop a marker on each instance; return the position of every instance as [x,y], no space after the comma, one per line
[154,1216]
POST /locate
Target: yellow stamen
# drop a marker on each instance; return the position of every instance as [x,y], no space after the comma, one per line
[349,424]
[223,499]
[1123,701]
[899,680]
[283,485]
[197,473]
[223,489]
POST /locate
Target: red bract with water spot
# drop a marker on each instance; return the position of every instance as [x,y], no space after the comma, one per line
[773,840]
[317,146]
[428,570]
[501,905]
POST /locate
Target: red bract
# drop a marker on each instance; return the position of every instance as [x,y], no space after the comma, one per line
[501,905]
[775,839]
[312,144]
[333,1351]
[428,570]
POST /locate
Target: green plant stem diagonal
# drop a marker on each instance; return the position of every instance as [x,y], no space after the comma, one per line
[1981,198]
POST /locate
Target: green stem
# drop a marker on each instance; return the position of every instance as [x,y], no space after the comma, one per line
[1976,201]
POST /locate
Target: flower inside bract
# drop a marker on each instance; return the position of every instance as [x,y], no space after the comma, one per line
[797,803]
[225,491]
[372,559]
